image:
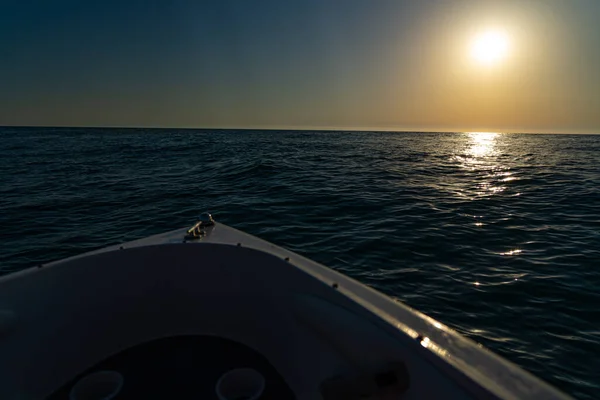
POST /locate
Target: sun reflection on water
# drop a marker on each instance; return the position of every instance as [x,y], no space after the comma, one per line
[481,156]
[482,143]
[480,152]
[482,174]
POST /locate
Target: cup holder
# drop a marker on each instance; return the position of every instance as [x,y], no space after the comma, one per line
[240,384]
[101,385]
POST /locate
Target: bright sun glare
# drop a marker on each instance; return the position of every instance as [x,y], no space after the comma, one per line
[490,47]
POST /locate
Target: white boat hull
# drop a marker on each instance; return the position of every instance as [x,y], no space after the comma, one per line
[310,322]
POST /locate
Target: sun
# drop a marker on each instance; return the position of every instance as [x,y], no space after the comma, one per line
[490,47]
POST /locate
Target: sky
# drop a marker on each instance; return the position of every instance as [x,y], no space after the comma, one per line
[310,64]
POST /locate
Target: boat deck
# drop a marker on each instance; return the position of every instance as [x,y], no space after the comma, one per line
[184,367]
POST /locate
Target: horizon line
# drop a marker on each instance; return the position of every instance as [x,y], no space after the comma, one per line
[315,128]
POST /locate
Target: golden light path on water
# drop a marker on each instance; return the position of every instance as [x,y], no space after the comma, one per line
[482,160]
[482,143]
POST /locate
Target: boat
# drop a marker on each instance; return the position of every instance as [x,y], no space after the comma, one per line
[210,312]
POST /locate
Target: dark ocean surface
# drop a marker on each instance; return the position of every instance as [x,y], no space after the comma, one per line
[496,235]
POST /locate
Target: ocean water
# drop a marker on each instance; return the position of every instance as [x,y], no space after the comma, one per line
[496,235]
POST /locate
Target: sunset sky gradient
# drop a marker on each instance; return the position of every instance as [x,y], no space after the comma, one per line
[385,64]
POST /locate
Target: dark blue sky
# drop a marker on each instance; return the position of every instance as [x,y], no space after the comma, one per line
[313,63]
